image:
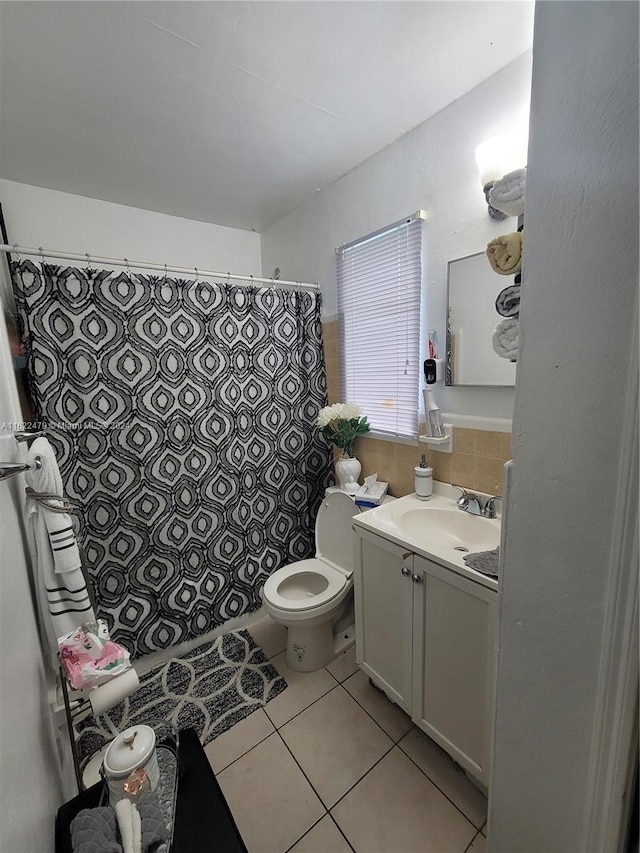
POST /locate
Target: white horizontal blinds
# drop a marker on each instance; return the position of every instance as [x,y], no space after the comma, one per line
[379,287]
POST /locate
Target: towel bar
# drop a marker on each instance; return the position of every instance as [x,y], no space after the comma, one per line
[10,469]
[28,436]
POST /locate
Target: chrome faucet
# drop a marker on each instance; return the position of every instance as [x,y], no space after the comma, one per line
[475,505]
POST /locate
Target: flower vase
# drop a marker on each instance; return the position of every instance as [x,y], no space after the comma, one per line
[347,471]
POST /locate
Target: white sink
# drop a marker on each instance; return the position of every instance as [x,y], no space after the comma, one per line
[448,527]
[435,528]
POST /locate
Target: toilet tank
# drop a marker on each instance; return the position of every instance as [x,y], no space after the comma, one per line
[334,534]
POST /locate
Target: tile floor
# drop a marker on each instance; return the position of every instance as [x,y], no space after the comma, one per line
[331,766]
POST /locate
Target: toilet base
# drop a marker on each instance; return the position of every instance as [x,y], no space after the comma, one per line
[312,648]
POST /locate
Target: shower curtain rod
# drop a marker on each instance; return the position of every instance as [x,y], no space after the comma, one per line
[125,262]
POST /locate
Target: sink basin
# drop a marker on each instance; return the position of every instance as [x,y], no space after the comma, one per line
[436,528]
[448,527]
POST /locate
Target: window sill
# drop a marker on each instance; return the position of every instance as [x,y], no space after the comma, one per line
[395,439]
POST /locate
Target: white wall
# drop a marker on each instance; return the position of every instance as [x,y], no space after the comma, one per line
[31,787]
[433,167]
[40,217]
[577,368]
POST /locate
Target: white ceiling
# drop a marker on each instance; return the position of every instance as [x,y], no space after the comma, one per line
[231,112]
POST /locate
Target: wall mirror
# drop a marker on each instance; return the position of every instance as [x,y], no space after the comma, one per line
[471,318]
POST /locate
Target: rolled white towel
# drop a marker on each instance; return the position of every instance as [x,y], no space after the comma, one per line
[129,826]
[136,822]
[507,194]
[505,338]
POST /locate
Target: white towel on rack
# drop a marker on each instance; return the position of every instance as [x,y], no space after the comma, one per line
[505,338]
[63,598]
[508,193]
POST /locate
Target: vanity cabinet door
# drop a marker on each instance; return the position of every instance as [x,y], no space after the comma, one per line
[454,664]
[383,601]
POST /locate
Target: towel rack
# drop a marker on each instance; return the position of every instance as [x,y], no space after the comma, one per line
[10,469]
[28,436]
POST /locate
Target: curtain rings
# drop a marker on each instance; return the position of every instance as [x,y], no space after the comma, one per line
[228,282]
[18,263]
[126,263]
[165,275]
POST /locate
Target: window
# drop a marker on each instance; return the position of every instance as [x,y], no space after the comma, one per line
[379,287]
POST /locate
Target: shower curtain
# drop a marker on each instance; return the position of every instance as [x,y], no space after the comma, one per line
[183,417]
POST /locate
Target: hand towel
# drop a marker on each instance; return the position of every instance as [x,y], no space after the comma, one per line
[129,825]
[508,301]
[66,555]
[505,253]
[507,194]
[505,338]
[485,562]
[94,831]
[136,822]
[63,598]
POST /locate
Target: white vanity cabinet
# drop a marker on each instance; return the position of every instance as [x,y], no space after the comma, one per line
[426,636]
[384,615]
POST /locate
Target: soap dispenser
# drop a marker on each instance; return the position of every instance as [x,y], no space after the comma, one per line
[423,480]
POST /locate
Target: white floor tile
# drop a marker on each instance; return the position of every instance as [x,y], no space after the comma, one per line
[335,743]
[450,778]
[325,837]
[269,635]
[303,689]
[238,740]
[396,809]
[344,665]
[392,719]
[272,803]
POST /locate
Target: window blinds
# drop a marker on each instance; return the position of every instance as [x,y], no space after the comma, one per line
[379,287]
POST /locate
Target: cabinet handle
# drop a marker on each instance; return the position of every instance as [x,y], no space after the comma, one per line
[416,578]
[406,571]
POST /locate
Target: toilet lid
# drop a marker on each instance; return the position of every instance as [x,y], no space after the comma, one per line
[303,585]
[334,534]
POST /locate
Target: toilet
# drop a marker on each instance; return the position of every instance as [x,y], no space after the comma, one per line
[314,598]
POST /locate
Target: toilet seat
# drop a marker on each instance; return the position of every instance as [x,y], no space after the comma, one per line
[299,600]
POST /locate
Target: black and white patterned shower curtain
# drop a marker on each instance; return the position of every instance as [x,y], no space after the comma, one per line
[183,417]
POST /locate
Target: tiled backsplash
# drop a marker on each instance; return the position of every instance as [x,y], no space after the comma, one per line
[330,338]
[476,462]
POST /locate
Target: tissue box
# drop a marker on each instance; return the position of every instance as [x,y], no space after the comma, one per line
[371,495]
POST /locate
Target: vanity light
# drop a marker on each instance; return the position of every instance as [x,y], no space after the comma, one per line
[498,156]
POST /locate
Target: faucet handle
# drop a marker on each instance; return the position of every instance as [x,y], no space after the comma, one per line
[463,501]
[489,510]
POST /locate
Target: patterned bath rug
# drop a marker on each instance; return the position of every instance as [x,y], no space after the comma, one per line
[207,689]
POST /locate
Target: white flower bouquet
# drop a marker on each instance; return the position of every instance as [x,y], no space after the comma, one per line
[341,424]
